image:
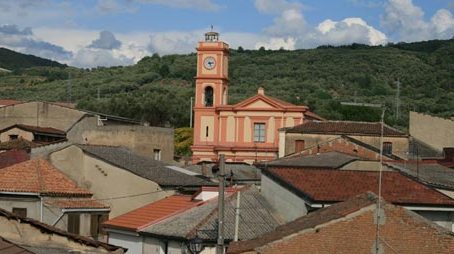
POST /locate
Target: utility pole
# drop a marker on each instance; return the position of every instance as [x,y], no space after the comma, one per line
[237,216]
[190,113]
[221,176]
[398,99]
[99,93]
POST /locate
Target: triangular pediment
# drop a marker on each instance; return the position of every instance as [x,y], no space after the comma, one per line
[259,103]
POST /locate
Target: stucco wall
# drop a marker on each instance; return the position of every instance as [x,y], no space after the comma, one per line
[4,137]
[133,243]
[287,204]
[122,190]
[434,131]
[400,144]
[39,114]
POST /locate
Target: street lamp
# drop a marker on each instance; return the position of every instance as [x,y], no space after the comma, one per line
[196,245]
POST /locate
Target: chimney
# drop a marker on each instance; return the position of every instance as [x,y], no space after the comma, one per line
[261,91]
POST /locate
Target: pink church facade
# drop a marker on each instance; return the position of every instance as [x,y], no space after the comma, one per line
[244,132]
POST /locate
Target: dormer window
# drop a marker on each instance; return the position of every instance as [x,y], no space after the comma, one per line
[208,96]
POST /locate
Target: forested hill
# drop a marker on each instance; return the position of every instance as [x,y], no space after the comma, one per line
[158,89]
[12,60]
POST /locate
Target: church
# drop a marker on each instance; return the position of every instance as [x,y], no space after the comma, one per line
[244,132]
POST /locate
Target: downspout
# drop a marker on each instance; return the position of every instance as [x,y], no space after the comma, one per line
[41,208]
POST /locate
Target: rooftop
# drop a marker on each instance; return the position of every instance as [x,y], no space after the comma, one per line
[236,171]
[257,217]
[152,213]
[344,128]
[12,157]
[40,177]
[37,129]
[325,230]
[7,247]
[332,160]
[328,186]
[156,171]
[429,172]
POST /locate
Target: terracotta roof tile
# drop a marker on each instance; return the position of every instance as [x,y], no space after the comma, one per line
[38,176]
[7,247]
[152,213]
[325,186]
[12,157]
[76,203]
[7,102]
[344,128]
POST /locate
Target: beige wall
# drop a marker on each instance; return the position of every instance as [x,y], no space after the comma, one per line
[4,137]
[435,131]
[364,165]
[400,144]
[106,181]
[140,139]
[39,114]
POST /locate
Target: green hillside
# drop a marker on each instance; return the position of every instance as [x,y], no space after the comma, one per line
[12,60]
[158,89]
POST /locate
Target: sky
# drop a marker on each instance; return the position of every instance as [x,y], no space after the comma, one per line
[91,33]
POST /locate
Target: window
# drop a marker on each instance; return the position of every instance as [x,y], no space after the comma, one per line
[206,132]
[259,132]
[13,137]
[95,224]
[22,212]
[387,148]
[74,223]
[299,145]
[157,154]
[208,96]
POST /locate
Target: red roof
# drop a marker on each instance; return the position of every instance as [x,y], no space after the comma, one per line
[152,213]
[344,128]
[325,186]
[38,176]
[7,102]
[12,157]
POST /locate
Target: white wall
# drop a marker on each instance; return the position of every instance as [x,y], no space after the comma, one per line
[134,244]
[289,205]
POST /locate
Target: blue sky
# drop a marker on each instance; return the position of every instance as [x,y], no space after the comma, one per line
[89,33]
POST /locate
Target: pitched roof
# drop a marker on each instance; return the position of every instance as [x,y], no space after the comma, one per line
[37,129]
[154,170]
[330,228]
[256,218]
[12,157]
[310,220]
[324,160]
[152,213]
[429,172]
[7,247]
[7,102]
[327,186]
[47,229]
[344,128]
[38,176]
[76,203]
[236,171]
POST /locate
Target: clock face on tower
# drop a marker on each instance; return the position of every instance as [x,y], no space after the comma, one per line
[209,63]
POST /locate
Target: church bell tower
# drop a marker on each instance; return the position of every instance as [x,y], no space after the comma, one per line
[211,92]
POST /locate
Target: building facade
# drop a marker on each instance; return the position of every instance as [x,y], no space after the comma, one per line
[246,131]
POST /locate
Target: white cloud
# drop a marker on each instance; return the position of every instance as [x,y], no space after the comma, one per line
[405,22]
[89,57]
[106,40]
[290,23]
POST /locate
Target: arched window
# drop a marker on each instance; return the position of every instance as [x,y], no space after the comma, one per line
[208,96]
